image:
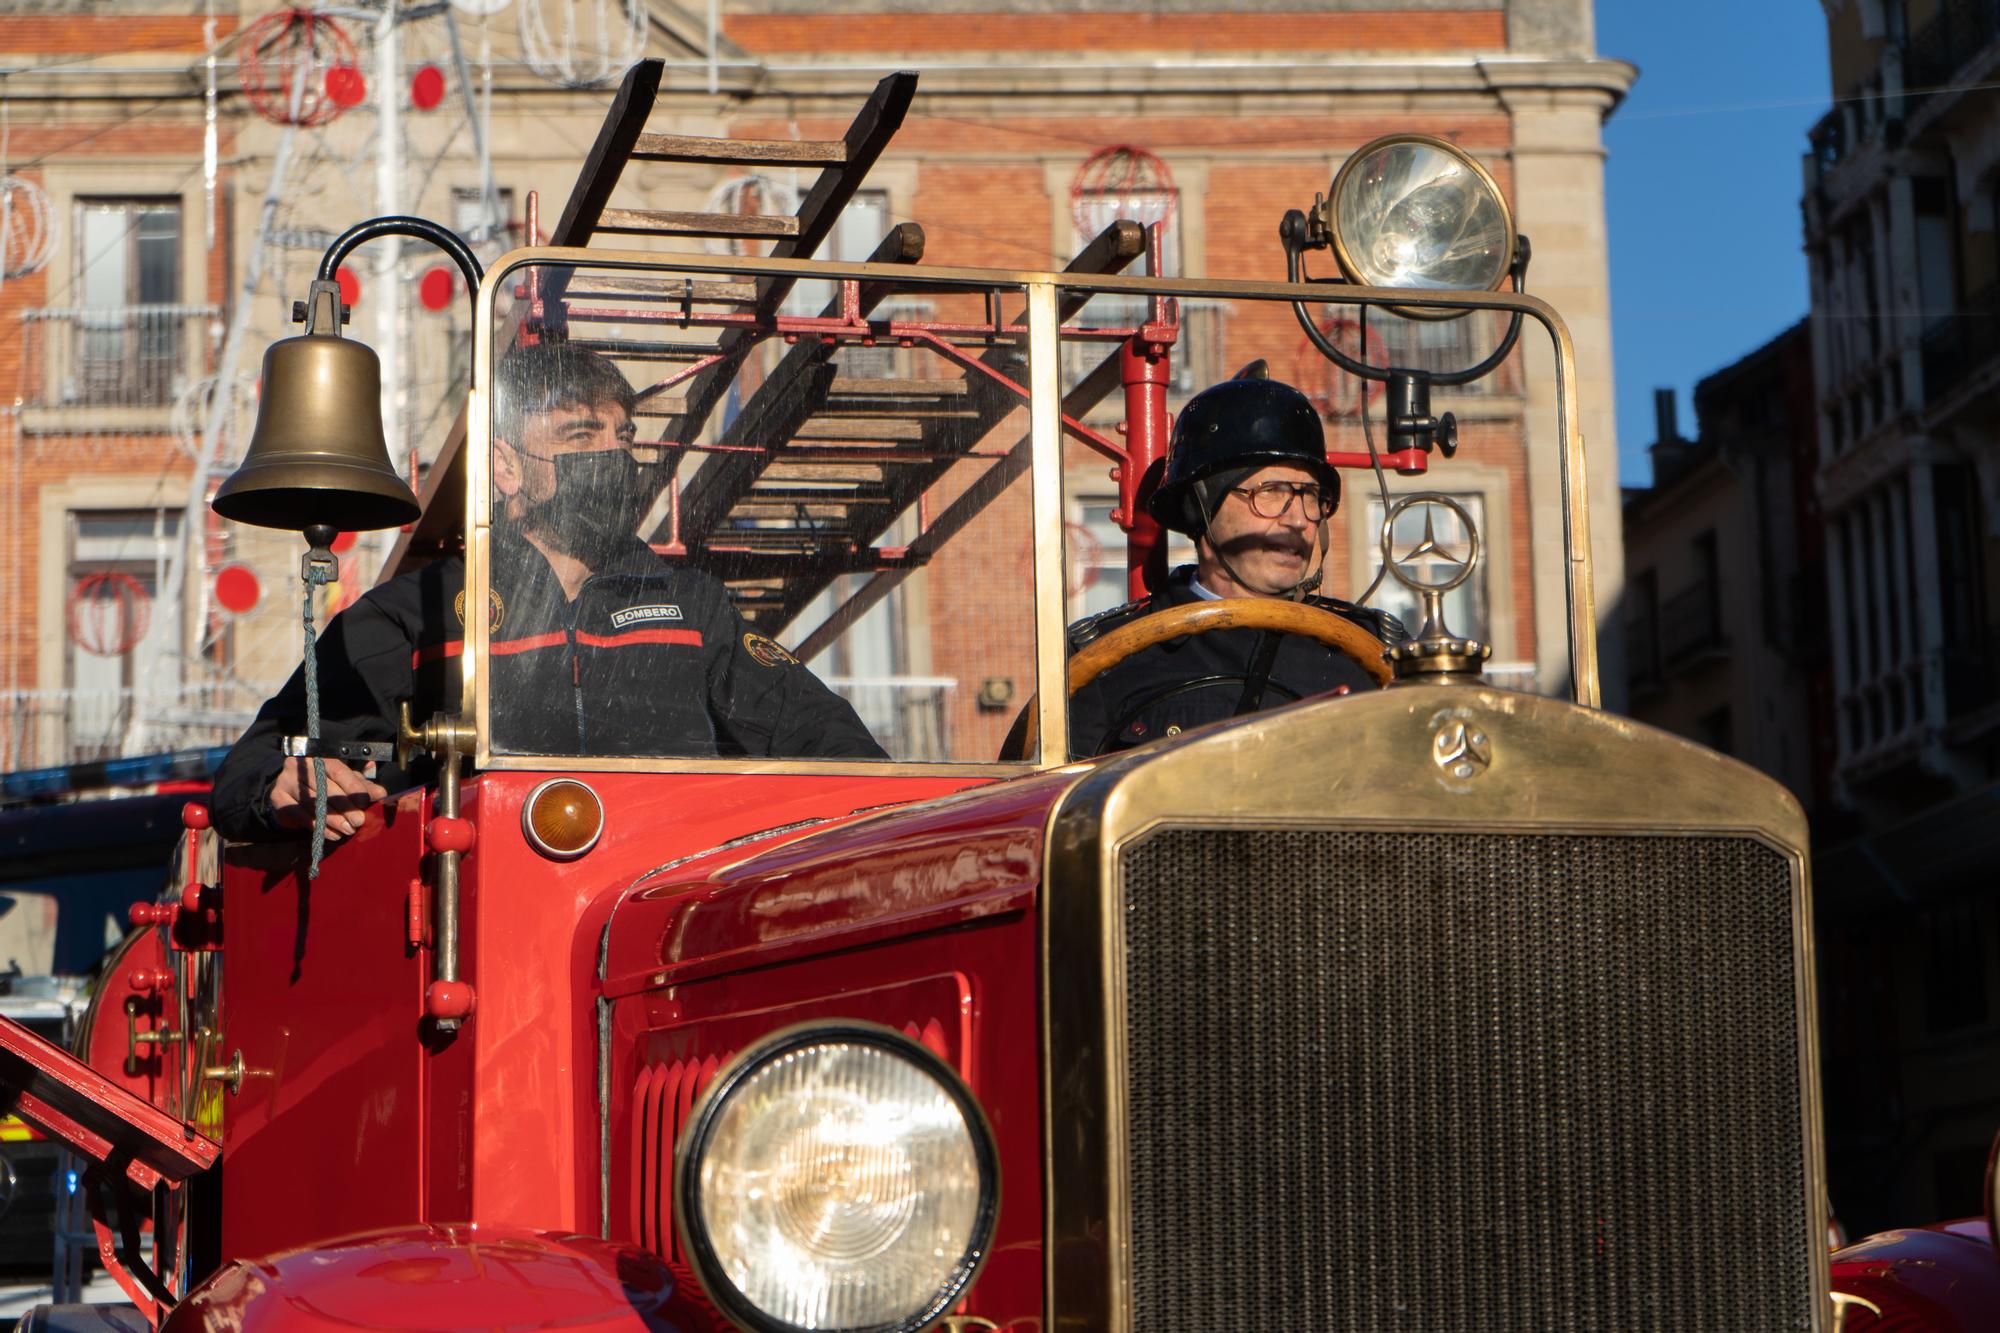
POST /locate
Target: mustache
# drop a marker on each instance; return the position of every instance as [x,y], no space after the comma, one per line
[1284,542]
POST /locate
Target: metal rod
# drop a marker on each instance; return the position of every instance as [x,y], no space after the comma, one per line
[447,875]
[399,225]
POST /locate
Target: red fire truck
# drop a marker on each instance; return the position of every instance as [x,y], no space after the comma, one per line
[1441,1006]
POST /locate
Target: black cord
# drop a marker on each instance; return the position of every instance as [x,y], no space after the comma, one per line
[1381,479]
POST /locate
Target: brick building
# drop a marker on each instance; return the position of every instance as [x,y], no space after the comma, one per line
[1249,108]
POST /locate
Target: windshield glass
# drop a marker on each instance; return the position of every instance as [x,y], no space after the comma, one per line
[1501,431]
[740,521]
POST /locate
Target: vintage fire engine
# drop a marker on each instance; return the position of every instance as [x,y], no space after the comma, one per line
[1442,1006]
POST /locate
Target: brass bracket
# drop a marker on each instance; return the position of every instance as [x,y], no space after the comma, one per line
[448,999]
[231,1073]
[134,1038]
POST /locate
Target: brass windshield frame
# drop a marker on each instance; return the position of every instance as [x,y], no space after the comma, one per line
[1041,290]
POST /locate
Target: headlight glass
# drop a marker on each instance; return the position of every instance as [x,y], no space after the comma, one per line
[1413,212]
[842,1180]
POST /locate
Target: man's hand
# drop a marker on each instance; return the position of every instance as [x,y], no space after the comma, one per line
[348,797]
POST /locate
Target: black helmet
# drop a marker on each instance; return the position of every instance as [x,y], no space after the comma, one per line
[1239,425]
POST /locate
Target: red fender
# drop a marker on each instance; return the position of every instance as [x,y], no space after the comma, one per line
[443,1278]
[1936,1279]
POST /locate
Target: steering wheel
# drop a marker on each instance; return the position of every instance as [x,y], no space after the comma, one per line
[1265,613]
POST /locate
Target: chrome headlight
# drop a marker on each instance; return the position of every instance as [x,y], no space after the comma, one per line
[837,1177]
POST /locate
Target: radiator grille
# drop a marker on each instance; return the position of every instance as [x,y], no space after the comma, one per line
[1462,1082]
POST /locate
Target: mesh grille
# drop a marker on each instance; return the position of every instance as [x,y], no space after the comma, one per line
[1462,1082]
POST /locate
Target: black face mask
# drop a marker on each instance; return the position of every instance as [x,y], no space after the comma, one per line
[596,506]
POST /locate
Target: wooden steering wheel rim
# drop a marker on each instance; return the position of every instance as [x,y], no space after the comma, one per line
[1336,632]
[1100,655]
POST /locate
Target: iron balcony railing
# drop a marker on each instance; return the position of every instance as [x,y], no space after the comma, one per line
[1961,343]
[114,356]
[1959,32]
[907,715]
[1691,624]
[48,728]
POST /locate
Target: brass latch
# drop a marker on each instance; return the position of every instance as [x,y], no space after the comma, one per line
[231,1073]
[134,1038]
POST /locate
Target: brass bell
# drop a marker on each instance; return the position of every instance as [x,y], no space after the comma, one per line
[318,456]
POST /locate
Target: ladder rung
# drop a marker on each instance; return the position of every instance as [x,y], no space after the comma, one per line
[740,152]
[847,474]
[633,351]
[823,513]
[858,428]
[598,286]
[847,409]
[654,222]
[844,387]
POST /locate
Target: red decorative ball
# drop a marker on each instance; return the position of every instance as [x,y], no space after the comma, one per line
[448,999]
[237,590]
[350,285]
[287,62]
[449,835]
[347,86]
[434,288]
[109,612]
[427,88]
[194,815]
[344,543]
[1121,181]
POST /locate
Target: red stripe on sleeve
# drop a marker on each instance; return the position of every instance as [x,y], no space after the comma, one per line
[436,652]
[527,644]
[690,638]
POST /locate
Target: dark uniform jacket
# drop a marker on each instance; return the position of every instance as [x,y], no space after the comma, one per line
[650,659]
[1198,678]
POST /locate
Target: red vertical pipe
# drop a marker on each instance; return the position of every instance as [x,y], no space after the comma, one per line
[1144,368]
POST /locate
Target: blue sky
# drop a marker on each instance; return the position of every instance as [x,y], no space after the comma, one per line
[1702,191]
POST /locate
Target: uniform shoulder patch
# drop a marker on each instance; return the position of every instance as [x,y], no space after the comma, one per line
[767,651]
[497,609]
[1095,627]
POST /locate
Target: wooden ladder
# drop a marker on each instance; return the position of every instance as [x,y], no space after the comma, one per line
[852,452]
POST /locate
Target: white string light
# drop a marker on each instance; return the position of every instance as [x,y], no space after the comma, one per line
[591,43]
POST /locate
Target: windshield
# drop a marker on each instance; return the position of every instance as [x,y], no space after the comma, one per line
[716,533]
[730,521]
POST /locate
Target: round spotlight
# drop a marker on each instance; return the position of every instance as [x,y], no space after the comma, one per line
[1417,212]
[837,1177]
[562,818]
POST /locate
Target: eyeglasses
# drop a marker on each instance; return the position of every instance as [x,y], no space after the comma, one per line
[1274,499]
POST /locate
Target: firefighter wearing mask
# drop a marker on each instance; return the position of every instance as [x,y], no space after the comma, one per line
[1247,478]
[597,645]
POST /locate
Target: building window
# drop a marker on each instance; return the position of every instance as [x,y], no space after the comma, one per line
[1440,347]
[472,221]
[856,232]
[120,644]
[1642,629]
[1954,950]
[1967,638]
[127,327]
[1466,606]
[1094,556]
[1091,213]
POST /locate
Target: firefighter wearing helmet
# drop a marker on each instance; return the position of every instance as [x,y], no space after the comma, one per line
[1247,478]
